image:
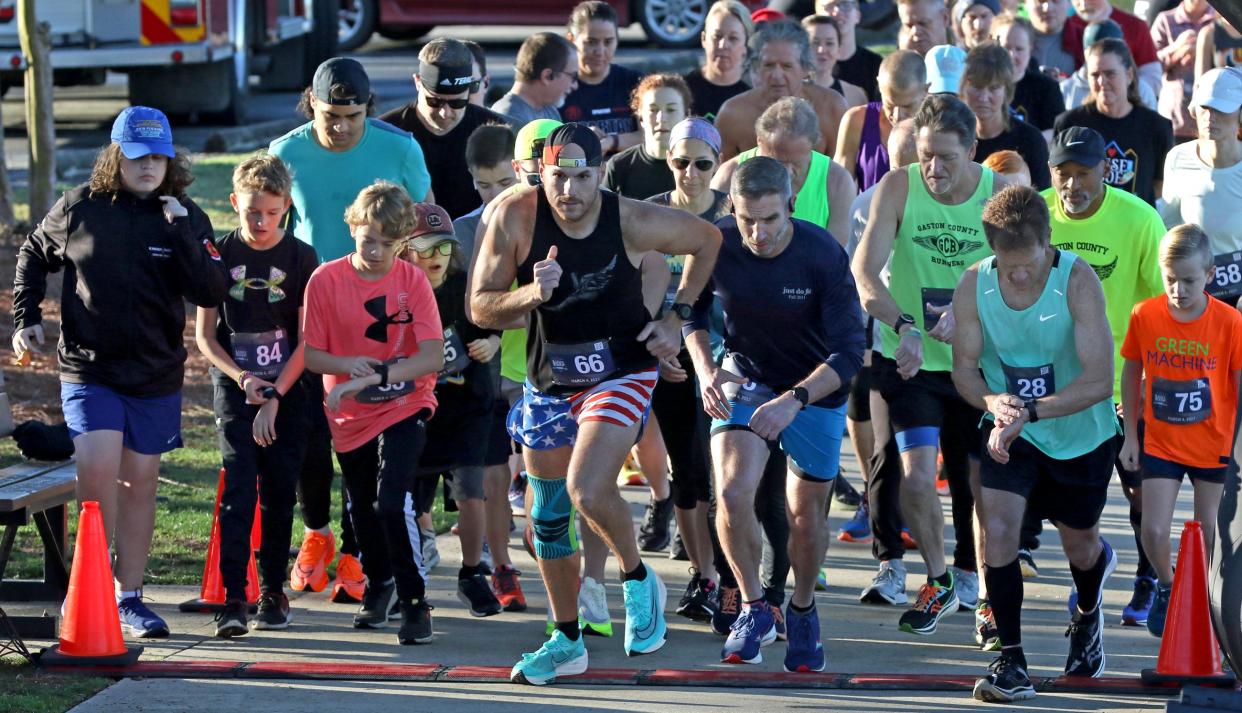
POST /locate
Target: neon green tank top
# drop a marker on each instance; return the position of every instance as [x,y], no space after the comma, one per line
[513,352]
[811,204]
[1015,363]
[934,245]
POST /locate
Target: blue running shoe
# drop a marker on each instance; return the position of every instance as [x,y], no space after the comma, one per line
[139,620]
[821,581]
[557,657]
[805,652]
[1135,613]
[645,629]
[776,601]
[858,529]
[755,627]
[1159,610]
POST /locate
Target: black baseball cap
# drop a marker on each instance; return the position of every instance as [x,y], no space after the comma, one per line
[572,133]
[347,73]
[1078,144]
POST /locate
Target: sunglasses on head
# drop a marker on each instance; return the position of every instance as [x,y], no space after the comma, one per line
[703,164]
[436,102]
[445,248]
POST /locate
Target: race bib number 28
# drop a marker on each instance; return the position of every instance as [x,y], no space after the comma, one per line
[1030,382]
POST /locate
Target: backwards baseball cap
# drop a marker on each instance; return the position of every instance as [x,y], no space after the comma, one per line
[1219,89]
[530,138]
[945,66]
[447,78]
[1096,31]
[572,134]
[141,130]
[1078,144]
[695,128]
[346,72]
[433,226]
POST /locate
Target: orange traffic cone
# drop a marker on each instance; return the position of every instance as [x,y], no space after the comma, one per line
[212,595]
[90,628]
[256,530]
[1189,651]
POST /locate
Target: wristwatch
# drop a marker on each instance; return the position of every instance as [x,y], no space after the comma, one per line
[682,310]
[903,320]
[1032,414]
[802,395]
[382,370]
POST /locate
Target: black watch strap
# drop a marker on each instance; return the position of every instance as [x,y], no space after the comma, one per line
[682,310]
[1032,413]
[902,320]
[802,395]
[382,370]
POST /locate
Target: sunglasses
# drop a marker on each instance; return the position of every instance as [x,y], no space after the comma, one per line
[445,248]
[436,102]
[703,164]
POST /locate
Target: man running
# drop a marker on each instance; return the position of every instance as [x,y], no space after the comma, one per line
[793,341]
[1032,318]
[592,351]
[926,220]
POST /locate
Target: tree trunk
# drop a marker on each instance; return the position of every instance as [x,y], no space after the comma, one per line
[6,192]
[40,126]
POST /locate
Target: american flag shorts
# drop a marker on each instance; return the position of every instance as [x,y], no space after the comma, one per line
[543,422]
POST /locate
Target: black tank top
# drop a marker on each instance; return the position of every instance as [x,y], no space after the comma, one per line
[596,308]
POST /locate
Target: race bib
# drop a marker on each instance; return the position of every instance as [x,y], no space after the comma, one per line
[1181,402]
[751,393]
[936,296]
[261,353]
[1030,382]
[456,358]
[376,394]
[584,364]
[1226,283]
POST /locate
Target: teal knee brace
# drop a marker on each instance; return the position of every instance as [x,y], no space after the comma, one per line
[552,517]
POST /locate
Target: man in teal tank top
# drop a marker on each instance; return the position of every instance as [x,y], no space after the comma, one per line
[925,220]
[1033,319]
[788,131]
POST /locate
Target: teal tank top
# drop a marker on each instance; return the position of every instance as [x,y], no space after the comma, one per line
[811,204]
[1030,352]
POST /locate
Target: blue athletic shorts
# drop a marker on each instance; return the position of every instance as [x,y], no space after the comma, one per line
[812,441]
[150,426]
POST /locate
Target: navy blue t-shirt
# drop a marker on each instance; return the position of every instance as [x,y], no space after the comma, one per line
[606,105]
[784,316]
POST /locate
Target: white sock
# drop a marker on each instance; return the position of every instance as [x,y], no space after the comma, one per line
[124,594]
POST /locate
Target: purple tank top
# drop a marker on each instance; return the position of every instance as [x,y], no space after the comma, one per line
[872,161]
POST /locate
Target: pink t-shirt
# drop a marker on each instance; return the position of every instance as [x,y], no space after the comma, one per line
[348,316]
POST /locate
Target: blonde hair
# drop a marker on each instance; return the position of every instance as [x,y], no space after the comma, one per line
[384,204]
[737,10]
[263,173]
[1186,242]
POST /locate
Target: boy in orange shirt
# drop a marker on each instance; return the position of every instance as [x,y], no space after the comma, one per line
[372,329]
[1188,345]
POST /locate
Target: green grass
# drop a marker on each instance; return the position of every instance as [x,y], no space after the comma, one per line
[24,690]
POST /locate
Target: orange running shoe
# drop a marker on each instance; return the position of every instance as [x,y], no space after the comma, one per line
[507,589]
[310,571]
[350,583]
[908,540]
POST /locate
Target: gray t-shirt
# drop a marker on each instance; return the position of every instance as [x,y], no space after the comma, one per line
[521,112]
[1049,51]
[464,228]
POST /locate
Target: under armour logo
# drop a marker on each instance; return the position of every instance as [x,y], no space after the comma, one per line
[378,308]
[272,284]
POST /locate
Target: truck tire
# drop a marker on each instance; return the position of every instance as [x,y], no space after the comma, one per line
[358,19]
[672,23]
[202,93]
[402,33]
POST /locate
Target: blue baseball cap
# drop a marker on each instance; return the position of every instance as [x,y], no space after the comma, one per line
[141,130]
[945,66]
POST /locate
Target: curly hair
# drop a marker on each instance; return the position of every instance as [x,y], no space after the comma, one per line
[659,81]
[106,173]
[386,205]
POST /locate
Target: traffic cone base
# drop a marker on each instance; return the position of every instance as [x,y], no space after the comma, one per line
[212,595]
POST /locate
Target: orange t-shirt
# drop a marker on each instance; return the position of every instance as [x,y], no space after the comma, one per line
[1191,390]
[348,316]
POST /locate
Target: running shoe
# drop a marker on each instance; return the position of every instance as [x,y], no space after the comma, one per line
[507,589]
[416,623]
[821,581]
[431,553]
[645,628]
[1086,653]
[935,601]
[654,536]
[888,586]
[754,629]
[986,633]
[678,550]
[1159,610]
[140,621]
[1007,681]
[844,492]
[593,608]
[1136,612]
[273,613]
[517,495]
[377,602]
[350,583]
[310,570]
[942,485]
[858,529]
[776,600]
[1026,561]
[805,652]
[231,621]
[967,585]
[908,540]
[557,657]
[696,602]
[727,611]
[475,593]
[485,561]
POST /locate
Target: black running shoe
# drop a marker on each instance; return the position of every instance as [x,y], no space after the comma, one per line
[698,603]
[273,612]
[844,492]
[231,621]
[415,623]
[376,602]
[1006,682]
[935,601]
[1086,654]
[653,536]
[678,550]
[475,593]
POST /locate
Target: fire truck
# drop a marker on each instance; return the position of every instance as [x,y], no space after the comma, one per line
[195,59]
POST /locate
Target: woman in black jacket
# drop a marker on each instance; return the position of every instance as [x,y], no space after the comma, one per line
[132,247]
